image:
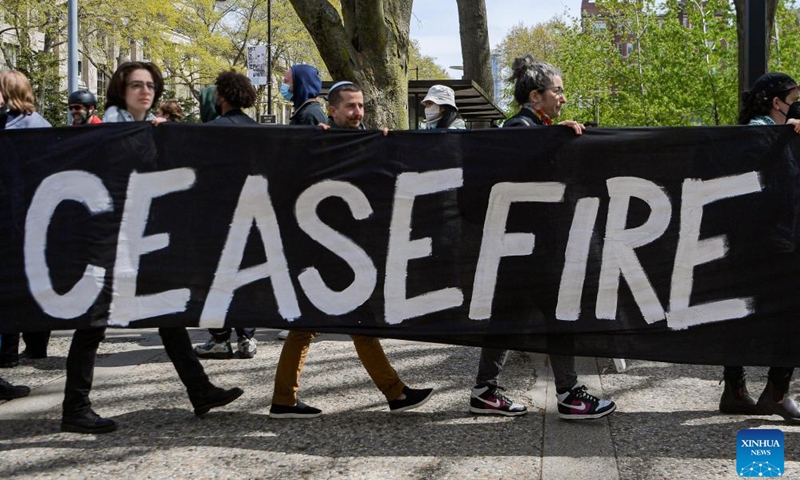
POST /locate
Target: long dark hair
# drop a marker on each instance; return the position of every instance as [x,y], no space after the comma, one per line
[449,116]
[758,100]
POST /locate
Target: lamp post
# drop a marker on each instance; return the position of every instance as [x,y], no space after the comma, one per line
[72,42]
[269,57]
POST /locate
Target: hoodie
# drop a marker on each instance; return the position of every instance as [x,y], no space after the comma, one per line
[306,84]
[208,111]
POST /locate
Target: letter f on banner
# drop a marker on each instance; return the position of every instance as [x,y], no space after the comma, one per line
[254,206]
[497,244]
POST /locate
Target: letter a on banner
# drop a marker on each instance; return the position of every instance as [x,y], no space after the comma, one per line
[254,206]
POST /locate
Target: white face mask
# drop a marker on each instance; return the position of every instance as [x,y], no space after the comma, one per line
[432,113]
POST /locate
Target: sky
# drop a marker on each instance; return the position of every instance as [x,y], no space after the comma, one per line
[434,24]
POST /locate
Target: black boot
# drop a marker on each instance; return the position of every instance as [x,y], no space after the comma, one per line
[213,397]
[87,422]
[10,392]
[736,400]
[775,402]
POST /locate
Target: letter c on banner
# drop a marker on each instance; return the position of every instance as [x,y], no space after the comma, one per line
[79,186]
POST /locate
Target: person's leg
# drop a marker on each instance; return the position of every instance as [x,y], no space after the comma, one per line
[247,333]
[78,415]
[575,403]
[36,344]
[246,344]
[80,370]
[285,403]
[372,356]
[290,366]
[486,397]
[220,334]
[202,393]
[735,399]
[774,399]
[218,346]
[9,350]
[489,366]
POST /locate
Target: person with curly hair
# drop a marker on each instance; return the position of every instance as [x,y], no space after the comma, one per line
[234,92]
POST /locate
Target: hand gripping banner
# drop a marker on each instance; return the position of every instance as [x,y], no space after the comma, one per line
[673,244]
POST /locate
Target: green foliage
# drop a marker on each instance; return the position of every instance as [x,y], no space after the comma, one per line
[423,67]
[639,64]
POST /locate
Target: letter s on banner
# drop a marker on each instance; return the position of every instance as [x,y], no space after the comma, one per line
[82,187]
[366,276]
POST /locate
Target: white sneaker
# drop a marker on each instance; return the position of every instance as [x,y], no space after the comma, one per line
[283,334]
[214,349]
[247,347]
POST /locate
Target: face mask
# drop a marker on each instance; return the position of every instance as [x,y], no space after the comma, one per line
[794,111]
[432,113]
[285,91]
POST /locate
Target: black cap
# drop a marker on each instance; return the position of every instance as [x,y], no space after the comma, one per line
[773,83]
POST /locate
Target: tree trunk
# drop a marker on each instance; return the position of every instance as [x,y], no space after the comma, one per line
[475,44]
[368,45]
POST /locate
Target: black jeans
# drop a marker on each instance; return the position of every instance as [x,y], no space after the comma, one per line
[83,354]
[35,344]
[224,334]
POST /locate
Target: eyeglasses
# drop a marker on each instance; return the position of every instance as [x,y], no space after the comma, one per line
[559,91]
[139,86]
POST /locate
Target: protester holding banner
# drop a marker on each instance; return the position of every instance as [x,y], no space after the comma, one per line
[233,91]
[16,100]
[539,90]
[132,91]
[301,85]
[346,111]
[441,111]
[773,100]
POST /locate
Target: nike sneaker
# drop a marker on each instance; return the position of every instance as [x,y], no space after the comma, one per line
[489,400]
[578,404]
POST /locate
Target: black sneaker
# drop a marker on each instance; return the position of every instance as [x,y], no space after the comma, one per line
[299,410]
[88,422]
[489,401]
[414,398]
[10,392]
[215,397]
[578,404]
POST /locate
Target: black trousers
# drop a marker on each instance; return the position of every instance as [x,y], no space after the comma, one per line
[83,354]
[224,334]
[780,377]
[35,344]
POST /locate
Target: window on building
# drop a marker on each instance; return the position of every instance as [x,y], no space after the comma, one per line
[102,85]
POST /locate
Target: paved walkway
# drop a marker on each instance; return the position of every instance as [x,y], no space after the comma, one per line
[666,425]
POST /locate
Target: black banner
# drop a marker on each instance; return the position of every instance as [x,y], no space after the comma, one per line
[674,244]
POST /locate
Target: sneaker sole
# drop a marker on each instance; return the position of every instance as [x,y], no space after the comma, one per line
[294,415]
[410,407]
[487,411]
[205,408]
[573,416]
[65,427]
[241,354]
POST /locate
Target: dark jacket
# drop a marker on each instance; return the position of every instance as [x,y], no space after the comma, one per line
[233,117]
[524,118]
[310,113]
